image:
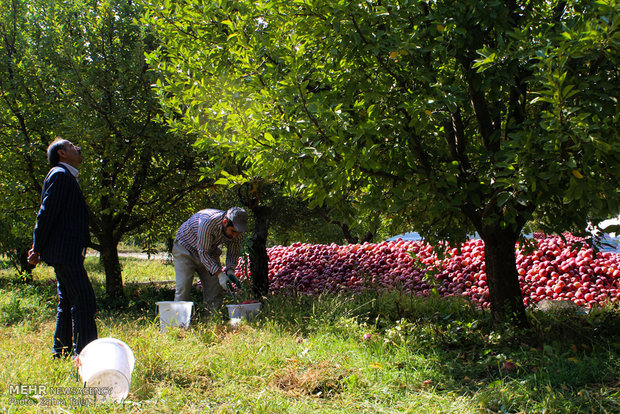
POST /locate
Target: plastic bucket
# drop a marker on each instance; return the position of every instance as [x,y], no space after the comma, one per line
[106,365]
[244,311]
[176,314]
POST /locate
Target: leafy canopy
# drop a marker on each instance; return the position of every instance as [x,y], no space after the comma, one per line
[76,69]
[447,115]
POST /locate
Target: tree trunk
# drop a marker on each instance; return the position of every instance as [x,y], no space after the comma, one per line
[112,267]
[257,246]
[505,294]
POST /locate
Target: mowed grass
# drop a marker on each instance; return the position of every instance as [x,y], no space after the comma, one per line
[372,353]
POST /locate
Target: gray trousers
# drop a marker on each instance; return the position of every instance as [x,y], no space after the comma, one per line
[185,265]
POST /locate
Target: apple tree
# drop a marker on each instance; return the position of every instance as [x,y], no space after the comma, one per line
[452,116]
[77,69]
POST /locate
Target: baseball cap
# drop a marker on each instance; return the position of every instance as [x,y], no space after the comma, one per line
[238,217]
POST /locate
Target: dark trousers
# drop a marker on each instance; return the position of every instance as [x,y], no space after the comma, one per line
[75,318]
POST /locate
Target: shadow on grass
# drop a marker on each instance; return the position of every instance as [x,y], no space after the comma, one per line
[563,363]
[139,301]
[25,300]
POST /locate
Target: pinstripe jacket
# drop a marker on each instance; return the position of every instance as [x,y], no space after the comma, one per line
[202,236]
[61,232]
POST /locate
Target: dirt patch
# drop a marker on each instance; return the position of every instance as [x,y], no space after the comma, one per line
[323,379]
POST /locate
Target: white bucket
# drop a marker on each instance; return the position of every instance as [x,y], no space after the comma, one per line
[175,314]
[244,311]
[106,365]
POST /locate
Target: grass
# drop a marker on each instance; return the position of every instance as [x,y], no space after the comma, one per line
[371,353]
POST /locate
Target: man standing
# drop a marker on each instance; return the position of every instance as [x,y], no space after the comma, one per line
[197,250]
[60,240]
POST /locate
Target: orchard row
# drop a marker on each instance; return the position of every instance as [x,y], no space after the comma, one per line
[557,268]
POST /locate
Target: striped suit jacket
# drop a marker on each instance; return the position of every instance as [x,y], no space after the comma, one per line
[61,232]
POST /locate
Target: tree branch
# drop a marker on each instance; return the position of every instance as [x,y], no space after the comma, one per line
[457,140]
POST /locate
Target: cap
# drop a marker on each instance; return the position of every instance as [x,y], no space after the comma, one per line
[238,217]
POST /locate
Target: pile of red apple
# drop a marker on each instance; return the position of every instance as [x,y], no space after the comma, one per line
[558,269]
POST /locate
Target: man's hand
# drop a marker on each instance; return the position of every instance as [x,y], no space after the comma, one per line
[224,281]
[231,276]
[227,279]
[33,257]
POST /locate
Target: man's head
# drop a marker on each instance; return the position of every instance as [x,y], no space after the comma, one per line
[61,150]
[235,222]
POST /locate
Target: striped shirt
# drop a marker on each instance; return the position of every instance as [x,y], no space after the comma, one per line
[203,234]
